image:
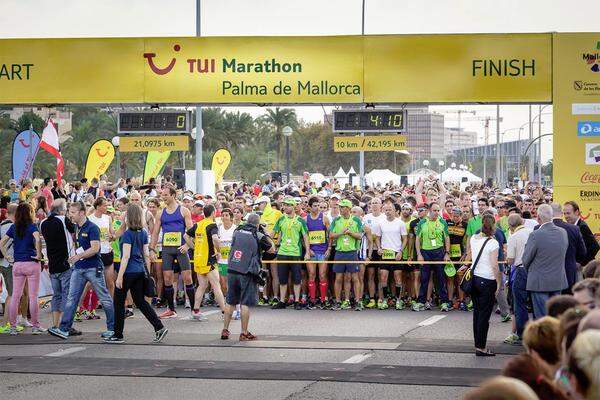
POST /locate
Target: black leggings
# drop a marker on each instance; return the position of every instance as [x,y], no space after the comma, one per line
[483,296]
[135,283]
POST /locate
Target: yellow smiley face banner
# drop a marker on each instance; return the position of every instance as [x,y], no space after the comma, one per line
[99,158]
[220,163]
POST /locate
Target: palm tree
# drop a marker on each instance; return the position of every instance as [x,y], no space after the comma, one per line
[277,119]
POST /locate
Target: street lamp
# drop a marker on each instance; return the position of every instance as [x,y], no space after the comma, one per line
[287,132]
[116,140]
[441,164]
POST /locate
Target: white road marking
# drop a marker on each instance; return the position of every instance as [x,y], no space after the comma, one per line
[357,358]
[64,352]
[431,320]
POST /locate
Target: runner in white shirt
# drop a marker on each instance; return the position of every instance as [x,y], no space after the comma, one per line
[392,240]
[371,227]
[104,222]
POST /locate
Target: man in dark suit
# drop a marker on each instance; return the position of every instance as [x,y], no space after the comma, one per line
[573,216]
[544,261]
[576,252]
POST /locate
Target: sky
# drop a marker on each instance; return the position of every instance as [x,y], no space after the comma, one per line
[139,18]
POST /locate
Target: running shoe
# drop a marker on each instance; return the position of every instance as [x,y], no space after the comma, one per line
[274,301]
[85,315]
[359,306]
[5,328]
[187,303]
[470,305]
[418,307]
[336,306]
[399,304]
[161,304]
[160,335]
[25,322]
[462,306]
[74,332]
[513,339]
[94,315]
[107,334]
[36,330]
[245,337]
[427,305]
[506,318]
[58,333]
[114,340]
[445,307]
[371,304]
[382,305]
[78,316]
[261,301]
[13,331]
[225,334]
[327,305]
[236,315]
[297,306]
[168,314]
[198,316]
[345,305]
[128,313]
[279,306]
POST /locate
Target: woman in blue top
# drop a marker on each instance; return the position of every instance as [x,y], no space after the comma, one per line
[27,253]
[134,258]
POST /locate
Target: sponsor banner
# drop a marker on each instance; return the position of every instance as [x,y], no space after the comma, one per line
[220,162]
[129,144]
[99,158]
[369,143]
[332,69]
[155,162]
[25,148]
[576,93]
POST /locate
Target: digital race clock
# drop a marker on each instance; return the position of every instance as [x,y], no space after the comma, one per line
[155,122]
[369,121]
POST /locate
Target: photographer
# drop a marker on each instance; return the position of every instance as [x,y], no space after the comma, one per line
[243,272]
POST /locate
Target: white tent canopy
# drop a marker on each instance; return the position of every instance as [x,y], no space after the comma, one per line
[381,176]
[318,178]
[340,173]
[414,176]
[457,175]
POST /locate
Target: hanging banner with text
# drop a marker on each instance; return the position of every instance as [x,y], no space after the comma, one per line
[344,143]
[129,144]
[576,109]
[284,69]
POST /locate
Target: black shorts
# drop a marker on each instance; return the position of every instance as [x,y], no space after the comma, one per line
[241,289]
[107,258]
[284,269]
[269,256]
[374,258]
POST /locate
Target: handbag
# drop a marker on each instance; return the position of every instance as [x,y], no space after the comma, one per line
[149,283]
[466,284]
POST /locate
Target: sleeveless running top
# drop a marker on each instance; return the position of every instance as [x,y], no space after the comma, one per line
[317,233]
[103,224]
[173,227]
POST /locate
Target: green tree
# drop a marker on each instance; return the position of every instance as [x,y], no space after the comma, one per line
[277,119]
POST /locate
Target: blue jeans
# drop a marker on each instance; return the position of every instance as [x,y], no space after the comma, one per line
[60,290]
[438,270]
[79,277]
[519,292]
[539,300]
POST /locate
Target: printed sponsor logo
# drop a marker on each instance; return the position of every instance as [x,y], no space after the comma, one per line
[588,128]
[592,153]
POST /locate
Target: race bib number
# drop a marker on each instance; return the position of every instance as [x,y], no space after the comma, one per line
[455,251]
[104,234]
[172,239]
[388,254]
[316,237]
[225,252]
[433,243]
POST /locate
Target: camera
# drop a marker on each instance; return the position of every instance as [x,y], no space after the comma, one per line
[260,278]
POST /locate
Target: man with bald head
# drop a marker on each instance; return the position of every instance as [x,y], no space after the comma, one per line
[544,261]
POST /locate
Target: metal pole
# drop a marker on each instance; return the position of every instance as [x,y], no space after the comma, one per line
[287,157]
[519,156]
[487,132]
[539,144]
[118,154]
[199,183]
[361,154]
[498,178]
[530,161]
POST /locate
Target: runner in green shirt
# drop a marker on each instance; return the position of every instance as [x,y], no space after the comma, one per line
[346,230]
[292,234]
[433,244]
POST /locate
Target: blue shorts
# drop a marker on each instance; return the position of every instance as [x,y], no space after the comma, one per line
[346,256]
[318,257]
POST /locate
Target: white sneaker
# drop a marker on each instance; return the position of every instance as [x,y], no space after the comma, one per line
[236,315]
[13,331]
[38,331]
[24,322]
[198,316]
[187,303]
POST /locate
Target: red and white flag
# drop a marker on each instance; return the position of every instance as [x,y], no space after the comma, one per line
[51,145]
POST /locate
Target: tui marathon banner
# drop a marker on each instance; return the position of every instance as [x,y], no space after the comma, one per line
[25,149]
[220,162]
[155,162]
[99,157]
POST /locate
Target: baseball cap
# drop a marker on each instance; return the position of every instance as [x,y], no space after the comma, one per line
[262,199]
[507,191]
[336,196]
[199,203]
[12,182]
[422,206]
[289,202]
[346,203]
[188,197]
[456,210]
[406,205]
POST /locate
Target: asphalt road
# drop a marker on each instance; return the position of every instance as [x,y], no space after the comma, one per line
[299,355]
